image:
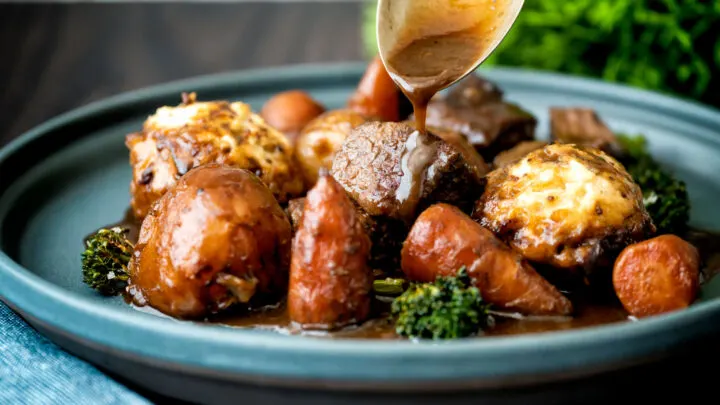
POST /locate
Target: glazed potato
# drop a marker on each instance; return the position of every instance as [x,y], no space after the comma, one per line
[330,282]
[218,238]
[656,276]
[290,111]
[566,206]
[321,138]
[376,94]
[177,139]
[443,239]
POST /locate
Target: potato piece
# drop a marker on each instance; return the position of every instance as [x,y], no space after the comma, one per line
[330,282]
[290,111]
[218,238]
[321,138]
[658,275]
[443,239]
[376,95]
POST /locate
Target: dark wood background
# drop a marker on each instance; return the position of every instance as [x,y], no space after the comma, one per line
[55,57]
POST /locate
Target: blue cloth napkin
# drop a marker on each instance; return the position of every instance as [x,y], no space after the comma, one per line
[33,370]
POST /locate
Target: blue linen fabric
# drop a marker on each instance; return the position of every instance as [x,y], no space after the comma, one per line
[33,370]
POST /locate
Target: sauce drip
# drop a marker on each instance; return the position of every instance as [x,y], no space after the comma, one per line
[416,158]
[437,43]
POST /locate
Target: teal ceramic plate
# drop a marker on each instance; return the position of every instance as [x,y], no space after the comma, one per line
[69,176]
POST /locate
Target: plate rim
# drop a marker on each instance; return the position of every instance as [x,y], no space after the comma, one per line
[21,288]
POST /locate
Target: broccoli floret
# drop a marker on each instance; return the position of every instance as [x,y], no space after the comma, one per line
[448,308]
[666,198]
[105,260]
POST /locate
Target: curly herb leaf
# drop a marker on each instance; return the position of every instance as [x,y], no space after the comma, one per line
[105,260]
[666,198]
[448,308]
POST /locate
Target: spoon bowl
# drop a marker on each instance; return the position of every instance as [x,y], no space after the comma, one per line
[479,23]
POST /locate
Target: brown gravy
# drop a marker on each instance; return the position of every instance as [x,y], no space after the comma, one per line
[380,325]
[426,57]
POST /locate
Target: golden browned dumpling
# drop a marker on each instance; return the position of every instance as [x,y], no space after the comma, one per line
[176,139]
[564,205]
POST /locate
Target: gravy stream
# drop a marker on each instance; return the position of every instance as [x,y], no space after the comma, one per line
[425,59]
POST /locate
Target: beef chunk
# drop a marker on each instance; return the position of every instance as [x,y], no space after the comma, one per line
[582,126]
[475,108]
[394,171]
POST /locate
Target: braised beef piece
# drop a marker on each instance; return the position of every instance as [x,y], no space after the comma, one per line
[394,172]
[475,107]
[583,126]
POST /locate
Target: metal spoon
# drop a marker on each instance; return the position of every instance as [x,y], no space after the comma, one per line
[405,20]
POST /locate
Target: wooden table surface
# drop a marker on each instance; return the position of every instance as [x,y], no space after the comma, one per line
[55,57]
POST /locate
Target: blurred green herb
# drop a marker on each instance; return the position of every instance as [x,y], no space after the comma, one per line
[671,46]
[665,196]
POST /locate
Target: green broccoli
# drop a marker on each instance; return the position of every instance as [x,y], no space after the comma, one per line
[666,198]
[105,260]
[448,308]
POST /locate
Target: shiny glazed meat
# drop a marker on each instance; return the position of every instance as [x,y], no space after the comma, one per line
[177,139]
[566,206]
[443,239]
[321,138]
[393,171]
[216,239]
[330,282]
[475,108]
[582,126]
[657,275]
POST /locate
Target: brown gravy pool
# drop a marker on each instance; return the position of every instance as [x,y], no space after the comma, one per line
[275,317]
